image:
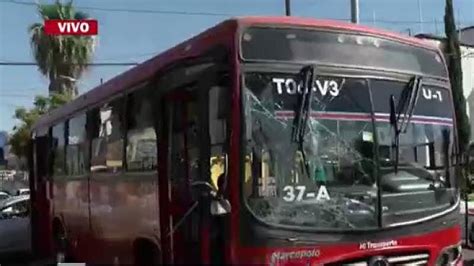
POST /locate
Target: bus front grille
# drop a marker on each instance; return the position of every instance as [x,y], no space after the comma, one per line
[416,259]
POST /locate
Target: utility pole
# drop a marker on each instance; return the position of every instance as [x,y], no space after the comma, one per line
[373,17]
[459,24]
[420,14]
[355,11]
[287,8]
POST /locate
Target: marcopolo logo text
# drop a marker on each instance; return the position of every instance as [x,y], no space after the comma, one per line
[71,27]
[294,255]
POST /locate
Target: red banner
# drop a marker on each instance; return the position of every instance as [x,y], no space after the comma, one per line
[71,27]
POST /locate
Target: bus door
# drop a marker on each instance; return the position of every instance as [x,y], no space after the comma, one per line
[182,137]
[39,186]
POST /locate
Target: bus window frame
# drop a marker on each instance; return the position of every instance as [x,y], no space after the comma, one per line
[149,85]
[243,29]
[86,153]
[41,140]
[292,67]
[52,151]
[122,96]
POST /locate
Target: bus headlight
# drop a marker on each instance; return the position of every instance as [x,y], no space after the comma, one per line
[449,256]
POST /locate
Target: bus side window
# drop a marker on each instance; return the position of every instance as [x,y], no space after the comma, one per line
[107,127]
[58,150]
[141,150]
[76,147]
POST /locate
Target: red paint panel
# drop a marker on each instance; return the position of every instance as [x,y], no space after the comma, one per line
[432,242]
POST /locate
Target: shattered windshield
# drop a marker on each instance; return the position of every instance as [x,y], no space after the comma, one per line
[340,190]
[425,183]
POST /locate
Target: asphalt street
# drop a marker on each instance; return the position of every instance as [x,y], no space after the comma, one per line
[468,255]
[468,252]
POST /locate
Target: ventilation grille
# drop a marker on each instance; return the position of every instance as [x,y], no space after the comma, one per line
[416,259]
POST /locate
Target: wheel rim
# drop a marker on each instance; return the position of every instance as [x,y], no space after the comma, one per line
[60,249]
[60,257]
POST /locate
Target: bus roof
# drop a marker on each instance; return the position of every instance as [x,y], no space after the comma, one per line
[331,24]
[221,33]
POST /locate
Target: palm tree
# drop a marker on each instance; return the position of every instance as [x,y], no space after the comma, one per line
[63,59]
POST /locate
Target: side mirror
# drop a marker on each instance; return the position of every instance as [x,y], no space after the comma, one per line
[220,207]
[205,188]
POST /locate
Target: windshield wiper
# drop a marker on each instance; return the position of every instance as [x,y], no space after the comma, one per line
[446,133]
[302,110]
[400,118]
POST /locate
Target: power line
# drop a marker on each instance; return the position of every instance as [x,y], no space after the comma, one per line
[90,64]
[126,56]
[112,58]
[25,89]
[13,95]
[199,13]
[167,12]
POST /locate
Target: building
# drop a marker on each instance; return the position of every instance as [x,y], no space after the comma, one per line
[466,37]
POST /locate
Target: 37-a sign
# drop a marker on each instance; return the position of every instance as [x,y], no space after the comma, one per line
[71,27]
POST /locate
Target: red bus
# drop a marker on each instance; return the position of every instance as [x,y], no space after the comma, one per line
[263,140]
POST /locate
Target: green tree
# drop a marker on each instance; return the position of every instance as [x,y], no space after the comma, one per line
[61,58]
[453,57]
[27,117]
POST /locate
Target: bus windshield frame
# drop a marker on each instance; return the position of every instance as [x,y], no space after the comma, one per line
[276,144]
[380,80]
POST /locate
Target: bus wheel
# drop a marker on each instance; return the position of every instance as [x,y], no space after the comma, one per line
[60,244]
[146,253]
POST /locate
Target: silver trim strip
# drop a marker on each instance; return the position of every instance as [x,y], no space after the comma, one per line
[423,262]
[427,218]
[357,264]
[408,257]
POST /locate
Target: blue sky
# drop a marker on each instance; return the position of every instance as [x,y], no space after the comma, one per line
[137,36]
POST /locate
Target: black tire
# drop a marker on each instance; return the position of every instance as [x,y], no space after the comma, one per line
[61,253]
[147,253]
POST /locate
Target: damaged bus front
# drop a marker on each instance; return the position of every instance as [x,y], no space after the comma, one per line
[348,149]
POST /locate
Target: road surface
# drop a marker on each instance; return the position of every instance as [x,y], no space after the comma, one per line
[468,255]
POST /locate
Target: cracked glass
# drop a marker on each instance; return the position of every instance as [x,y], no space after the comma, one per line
[348,145]
[340,190]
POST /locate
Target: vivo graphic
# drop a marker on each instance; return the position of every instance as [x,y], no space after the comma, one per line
[71,27]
